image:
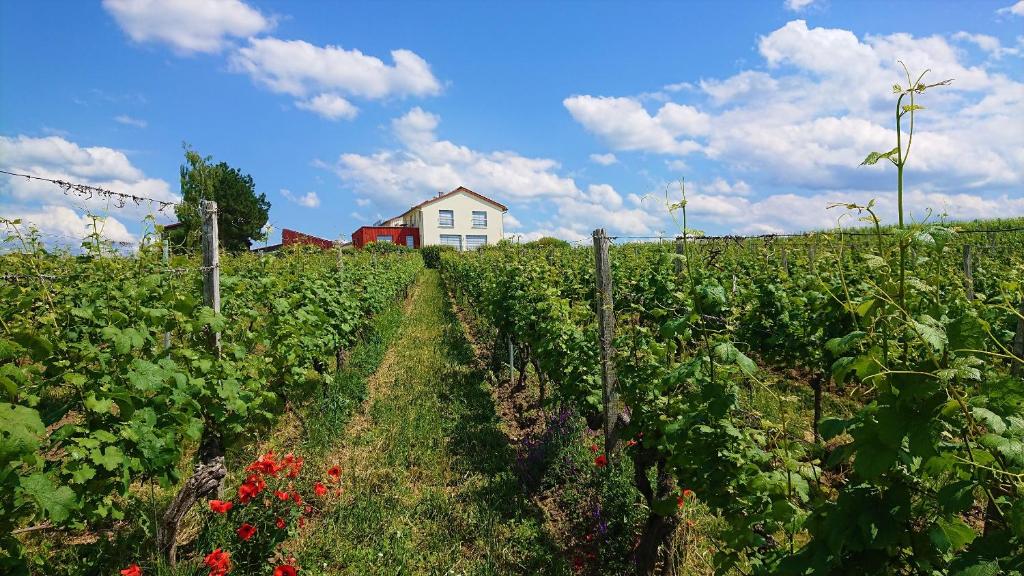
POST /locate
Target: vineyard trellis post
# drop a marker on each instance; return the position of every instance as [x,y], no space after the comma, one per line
[211,265]
[606,336]
[968,274]
[1018,341]
[680,249]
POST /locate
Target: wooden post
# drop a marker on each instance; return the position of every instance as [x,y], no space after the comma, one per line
[810,255]
[785,259]
[511,363]
[211,265]
[606,338]
[968,275]
[167,259]
[341,265]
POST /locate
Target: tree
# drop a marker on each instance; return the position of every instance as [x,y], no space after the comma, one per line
[241,215]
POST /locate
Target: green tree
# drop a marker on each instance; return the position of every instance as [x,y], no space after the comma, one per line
[242,213]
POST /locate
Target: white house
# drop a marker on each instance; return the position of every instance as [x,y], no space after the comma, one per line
[461,218]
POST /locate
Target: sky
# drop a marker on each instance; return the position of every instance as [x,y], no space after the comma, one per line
[576,115]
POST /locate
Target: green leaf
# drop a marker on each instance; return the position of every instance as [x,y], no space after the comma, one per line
[56,502]
[110,458]
[728,353]
[874,157]
[97,405]
[951,535]
[990,419]
[21,431]
[931,331]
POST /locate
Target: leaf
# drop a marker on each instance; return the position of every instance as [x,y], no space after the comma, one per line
[990,419]
[56,502]
[728,353]
[21,431]
[951,535]
[912,107]
[96,405]
[839,346]
[832,427]
[110,458]
[931,332]
[874,157]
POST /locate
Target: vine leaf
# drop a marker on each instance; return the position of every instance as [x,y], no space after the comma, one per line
[56,502]
[874,157]
[951,535]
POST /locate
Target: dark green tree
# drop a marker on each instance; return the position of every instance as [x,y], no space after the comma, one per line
[241,212]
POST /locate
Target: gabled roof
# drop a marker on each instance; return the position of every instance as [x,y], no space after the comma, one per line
[452,193]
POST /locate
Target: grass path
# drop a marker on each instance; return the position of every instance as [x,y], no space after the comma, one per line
[427,473]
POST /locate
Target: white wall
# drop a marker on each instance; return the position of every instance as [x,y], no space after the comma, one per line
[462,205]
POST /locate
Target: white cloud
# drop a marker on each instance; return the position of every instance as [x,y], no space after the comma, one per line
[604,159]
[330,106]
[309,199]
[298,68]
[63,226]
[803,119]
[129,121]
[511,222]
[988,44]
[798,5]
[1016,9]
[57,158]
[626,125]
[425,165]
[188,26]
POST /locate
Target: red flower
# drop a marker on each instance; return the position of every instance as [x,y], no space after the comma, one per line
[601,461]
[251,488]
[132,570]
[284,570]
[680,502]
[280,523]
[594,448]
[302,521]
[246,531]
[220,506]
[219,562]
[266,465]
[631,443]
[335,473]
[294,465]
[298,498]
[688,493]
[282,496]
[320,489]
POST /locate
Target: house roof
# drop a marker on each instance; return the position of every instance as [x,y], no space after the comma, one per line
[452,193]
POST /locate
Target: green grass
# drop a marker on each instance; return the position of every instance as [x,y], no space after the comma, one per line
[428,475]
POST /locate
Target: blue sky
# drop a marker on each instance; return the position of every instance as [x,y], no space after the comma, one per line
[575,115]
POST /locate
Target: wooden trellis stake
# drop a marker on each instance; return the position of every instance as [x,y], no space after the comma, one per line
[606,337]
[211,265]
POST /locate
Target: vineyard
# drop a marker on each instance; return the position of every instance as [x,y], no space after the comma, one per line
[829,410]
[111,385]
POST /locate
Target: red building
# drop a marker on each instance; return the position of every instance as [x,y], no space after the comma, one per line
[289,237]
[401,235]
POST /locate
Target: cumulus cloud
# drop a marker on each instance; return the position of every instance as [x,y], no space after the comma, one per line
[320,77]
[46,205]
[64,226]
[604,159]
[187,26]
[988,44]
[309,199]
[330,106]
[802,120]
[797,5]
[1016,9]
[130,121]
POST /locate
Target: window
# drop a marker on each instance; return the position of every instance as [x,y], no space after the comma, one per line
[479,220]
[410,242]
[453,240]
[384,238]
[446,218]
[474,242]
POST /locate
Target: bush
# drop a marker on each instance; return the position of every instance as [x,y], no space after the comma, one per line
[432,255]
[549,241]
[385,248]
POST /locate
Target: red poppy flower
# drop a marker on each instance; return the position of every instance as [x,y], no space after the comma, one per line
[594,448]
[307,510]
[282,496]
[688,493]
[680,502]
[132,570]
[220,506]
[298,498]
[294,467]
[280,523]
[601,461]
[219,562]
[251,488]
[320,489]
[302,521]
[246,531]
[284,570]
[334,472]
[631,443]
[265,464]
